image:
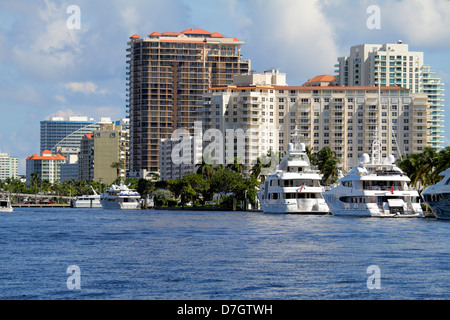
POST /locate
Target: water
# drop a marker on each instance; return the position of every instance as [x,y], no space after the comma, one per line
[190,255]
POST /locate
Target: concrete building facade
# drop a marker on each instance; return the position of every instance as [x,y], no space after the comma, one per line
[344,119]
[393,64]
[167,74]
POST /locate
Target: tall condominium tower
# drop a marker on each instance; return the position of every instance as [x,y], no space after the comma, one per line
[395,65]
[167,74]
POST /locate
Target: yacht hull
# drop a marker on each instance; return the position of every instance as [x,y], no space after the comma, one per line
[119,204]
[296,207]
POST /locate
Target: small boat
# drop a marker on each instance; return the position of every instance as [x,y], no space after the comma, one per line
[438,196]
[5,203]
[294,187]
[120,197]
[87,201]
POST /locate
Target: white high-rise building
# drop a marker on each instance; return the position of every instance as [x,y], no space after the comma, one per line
[8,166]
[392,64]
[345,119]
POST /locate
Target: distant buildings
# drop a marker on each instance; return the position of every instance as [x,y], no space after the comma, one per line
[167,74]
[64,135]
[8,166]
[101,149]
[392,64]
[46,166]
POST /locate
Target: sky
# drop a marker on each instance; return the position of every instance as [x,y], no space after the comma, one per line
[52,66]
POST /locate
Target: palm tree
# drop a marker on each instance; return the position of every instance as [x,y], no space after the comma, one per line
[236,166]
[424,168]
[327,163]
[205,169]
[117,165]
[35,179]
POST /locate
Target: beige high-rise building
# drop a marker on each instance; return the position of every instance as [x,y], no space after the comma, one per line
[167,74]
[345,119]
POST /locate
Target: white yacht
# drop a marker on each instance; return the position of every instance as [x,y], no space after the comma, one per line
[294,187]
[438,196]
[87,201]
[374,188]
[120,197]
[5,203]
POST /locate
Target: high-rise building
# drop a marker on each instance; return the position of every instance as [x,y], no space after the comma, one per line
[8,166]
[394,65]
[101,149]
[345,119]
[167,74]
[63,136]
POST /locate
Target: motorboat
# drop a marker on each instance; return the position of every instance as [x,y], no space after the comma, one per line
[438,196]
[87,201]
[5,203]
[294,187]
[120,197]
[374,188]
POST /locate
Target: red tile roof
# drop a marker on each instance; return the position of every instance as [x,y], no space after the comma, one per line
[322,78]
[195,31]
[134,36]
[44,157]
[217,35]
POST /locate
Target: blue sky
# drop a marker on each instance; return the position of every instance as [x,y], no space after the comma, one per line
[47,69]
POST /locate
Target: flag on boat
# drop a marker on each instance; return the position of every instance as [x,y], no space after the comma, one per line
[301,188]
[392,189]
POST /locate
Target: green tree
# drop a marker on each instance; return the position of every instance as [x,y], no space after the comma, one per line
[118,166]
[326,162]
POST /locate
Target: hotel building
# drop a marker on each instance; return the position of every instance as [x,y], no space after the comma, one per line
[47,166]
[167,74]
[345,119]
[8,166]
[394,65]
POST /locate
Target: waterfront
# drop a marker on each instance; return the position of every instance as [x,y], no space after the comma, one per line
[185,255]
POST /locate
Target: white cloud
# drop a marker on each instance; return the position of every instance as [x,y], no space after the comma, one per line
[294,36]
[53,49]
[421,22]
[60,98]
[84,87]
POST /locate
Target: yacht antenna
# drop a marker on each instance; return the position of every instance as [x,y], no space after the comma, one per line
[295,135]
[376,146]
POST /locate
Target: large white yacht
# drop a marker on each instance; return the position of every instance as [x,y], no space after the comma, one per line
[120,197]
[438,196]
[87,201]
[5,203]
[294,187]
[374,188]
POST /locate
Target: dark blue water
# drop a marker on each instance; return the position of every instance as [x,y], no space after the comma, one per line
[219,255]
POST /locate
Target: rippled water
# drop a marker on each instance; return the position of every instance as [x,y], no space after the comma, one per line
[150,254]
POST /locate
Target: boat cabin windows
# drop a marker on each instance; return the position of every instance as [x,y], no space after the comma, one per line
[348,184]
[294,183]
[295,169]
[383,185]
[298,183]
[302,195]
